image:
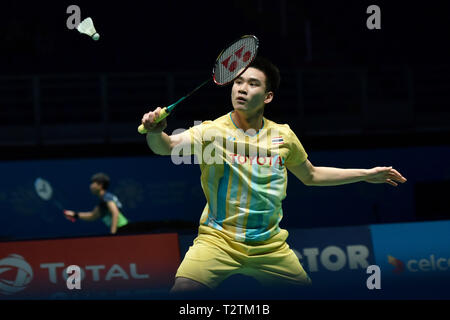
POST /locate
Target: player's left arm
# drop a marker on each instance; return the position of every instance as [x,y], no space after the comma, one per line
[112,207]
[329,176]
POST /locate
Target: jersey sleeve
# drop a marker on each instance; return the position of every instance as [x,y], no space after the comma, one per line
[111,197]
[297,154]
[195,135]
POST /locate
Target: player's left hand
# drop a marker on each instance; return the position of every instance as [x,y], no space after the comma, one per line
[384,175]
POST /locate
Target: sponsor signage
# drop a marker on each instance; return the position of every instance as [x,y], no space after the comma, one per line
[406,251]
[107,264]
[334,256]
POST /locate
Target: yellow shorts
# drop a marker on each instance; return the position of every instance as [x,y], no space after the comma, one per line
[214,256]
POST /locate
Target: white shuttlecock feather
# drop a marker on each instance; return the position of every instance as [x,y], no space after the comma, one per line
[87,27]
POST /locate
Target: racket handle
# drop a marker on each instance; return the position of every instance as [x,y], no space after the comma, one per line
[162,115]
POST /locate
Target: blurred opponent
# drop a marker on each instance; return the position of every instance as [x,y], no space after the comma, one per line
[108,209]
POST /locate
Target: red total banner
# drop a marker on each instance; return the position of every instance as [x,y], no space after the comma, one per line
[107,264]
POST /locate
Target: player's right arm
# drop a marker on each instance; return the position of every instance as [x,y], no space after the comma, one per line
[87,216]
[158,141]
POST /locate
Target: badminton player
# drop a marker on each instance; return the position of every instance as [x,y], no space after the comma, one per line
[239,229]
[108,209]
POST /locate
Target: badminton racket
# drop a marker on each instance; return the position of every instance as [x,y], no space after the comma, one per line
[229,65]
[44,190]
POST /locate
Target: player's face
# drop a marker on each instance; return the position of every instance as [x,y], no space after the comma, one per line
[249,91]
[95,187]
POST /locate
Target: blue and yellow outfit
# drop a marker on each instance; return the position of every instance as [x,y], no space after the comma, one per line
[244,178]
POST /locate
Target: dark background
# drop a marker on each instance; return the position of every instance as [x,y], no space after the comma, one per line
[394,81]
[169,35]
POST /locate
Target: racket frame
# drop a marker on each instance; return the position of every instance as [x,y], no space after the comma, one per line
[244,69]
[51,199]
[166,110]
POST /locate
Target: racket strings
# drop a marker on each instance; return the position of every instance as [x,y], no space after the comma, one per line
[236,58]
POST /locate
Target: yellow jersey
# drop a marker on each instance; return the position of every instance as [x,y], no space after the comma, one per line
[243,175]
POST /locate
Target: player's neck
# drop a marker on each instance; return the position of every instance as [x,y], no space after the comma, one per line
[101,193]
[246,121]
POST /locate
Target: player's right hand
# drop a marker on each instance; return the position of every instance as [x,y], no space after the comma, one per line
[70,215]
[149,124]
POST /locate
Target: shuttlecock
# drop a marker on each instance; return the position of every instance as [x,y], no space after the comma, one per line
[87,27]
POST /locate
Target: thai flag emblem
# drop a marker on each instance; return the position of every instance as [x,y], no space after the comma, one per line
[277,140]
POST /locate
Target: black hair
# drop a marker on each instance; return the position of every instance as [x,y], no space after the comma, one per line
[270,70]
[102,179]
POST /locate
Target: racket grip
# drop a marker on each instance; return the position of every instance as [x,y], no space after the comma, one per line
[162,115]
